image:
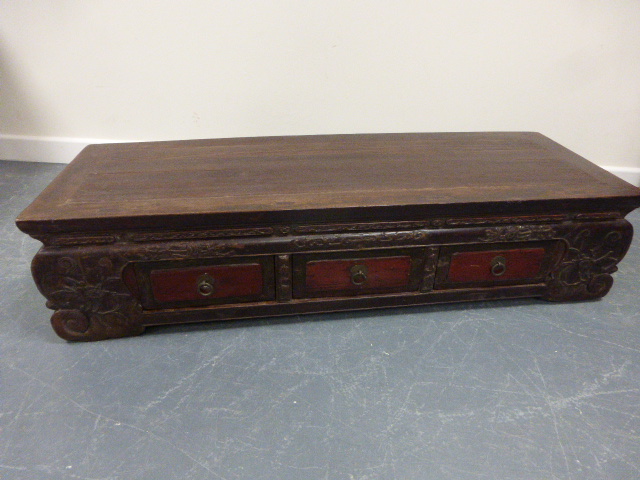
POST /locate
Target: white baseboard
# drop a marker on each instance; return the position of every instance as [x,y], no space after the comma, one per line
[44,149]
[629,174]
[63,150]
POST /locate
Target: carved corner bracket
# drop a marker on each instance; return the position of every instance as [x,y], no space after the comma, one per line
[90,300]
[593,252]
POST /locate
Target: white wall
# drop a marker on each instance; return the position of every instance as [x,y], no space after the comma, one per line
[146,70]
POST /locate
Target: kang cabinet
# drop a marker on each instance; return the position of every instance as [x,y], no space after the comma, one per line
[158,233]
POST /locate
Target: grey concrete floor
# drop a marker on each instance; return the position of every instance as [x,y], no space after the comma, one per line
[499,390]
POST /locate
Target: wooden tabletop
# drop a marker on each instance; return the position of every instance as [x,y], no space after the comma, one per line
[202,183]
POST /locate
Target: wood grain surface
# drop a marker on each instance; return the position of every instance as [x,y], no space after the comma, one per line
[198,183]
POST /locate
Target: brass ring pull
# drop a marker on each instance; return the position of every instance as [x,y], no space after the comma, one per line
[205,285]
[498,266]
[359,274]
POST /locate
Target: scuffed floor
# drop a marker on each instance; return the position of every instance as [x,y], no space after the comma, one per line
[518,389]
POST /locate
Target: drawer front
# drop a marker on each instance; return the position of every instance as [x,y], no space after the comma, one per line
[198,283]
[495,265]
[482,265]
[178,284]
[357,273]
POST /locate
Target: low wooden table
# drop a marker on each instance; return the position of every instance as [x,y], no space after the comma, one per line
[172,232]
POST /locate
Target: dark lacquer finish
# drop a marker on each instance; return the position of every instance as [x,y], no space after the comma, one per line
[172,232]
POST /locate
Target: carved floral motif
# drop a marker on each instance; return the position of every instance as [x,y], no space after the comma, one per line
[591,257]
[90,298]
[84,284]
[363,240]
[200,234]
[184,250]
[429,272]
[518,233]
[515,221]
[283,279]
[478,221]
[358,227]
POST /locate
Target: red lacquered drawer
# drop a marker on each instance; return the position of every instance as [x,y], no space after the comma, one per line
[475,265]
[342,274]
[495,265]
[198,283]
[184,283]
[369,273]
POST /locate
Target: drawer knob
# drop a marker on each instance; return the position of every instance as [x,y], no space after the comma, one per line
[498,266]
[205,285]
[359,274]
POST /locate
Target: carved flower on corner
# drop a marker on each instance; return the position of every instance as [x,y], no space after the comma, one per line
[90,288]
[582,265]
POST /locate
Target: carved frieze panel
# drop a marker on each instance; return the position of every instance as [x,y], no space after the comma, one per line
[519,233]
[85,285]
[510,227]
